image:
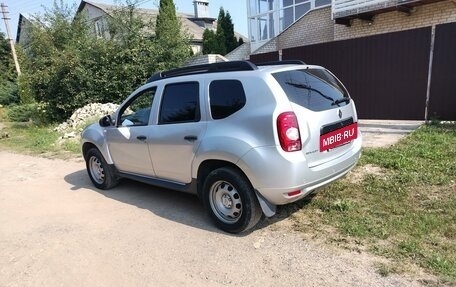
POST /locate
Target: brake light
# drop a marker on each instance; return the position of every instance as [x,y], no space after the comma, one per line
[288,131]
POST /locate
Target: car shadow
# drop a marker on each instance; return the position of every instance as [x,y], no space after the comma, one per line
[169,204]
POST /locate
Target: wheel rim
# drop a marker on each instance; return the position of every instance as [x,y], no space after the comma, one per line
[225,202]
[96,170]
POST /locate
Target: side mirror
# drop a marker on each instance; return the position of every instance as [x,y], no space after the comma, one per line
[105,121]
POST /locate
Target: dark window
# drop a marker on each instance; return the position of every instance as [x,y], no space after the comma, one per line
[137,111]
[226,97]
[315,89]
[180,103]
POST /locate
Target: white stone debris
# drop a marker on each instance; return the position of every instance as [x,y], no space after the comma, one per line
[82,116]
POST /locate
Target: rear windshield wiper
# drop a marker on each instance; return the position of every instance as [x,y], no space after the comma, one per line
[340,101]
[302,86]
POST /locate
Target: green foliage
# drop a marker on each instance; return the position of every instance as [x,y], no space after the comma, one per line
[228,29]
[407,213]
[24,113]
[8,93]
[210,43]
[223,40]
[66,66]
[8,87]
[173,44]
[7,72]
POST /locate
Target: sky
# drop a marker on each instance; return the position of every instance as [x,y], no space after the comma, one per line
[237,9]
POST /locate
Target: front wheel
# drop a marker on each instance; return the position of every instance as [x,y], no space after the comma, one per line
[100,173]
[230,200]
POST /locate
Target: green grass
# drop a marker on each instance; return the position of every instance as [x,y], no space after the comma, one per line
[36,139]
[407,213]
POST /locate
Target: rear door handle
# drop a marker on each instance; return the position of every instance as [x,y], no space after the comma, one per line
[141,138]
[190,138]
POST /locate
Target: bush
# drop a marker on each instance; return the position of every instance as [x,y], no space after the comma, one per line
[24,113]
[8,93]
[66,67]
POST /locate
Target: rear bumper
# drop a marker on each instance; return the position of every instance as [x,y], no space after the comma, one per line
[274,175]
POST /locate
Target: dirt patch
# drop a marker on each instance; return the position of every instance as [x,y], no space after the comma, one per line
[359,173]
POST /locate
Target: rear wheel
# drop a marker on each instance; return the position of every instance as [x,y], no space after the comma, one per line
[230,200]
[101,174]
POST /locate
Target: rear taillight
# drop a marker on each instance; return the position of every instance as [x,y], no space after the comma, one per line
[288,131]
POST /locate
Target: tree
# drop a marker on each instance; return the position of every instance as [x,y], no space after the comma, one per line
[67,67]
[172,42]
[8,87]
[228,29]
[210,43]
[223,40]
[6,63]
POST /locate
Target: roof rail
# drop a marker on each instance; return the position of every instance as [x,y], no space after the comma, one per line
[284,62]
[230,66]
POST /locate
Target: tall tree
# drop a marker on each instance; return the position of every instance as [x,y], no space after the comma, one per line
[173,42]
[223,41]
[228,29]
[6,62]
[210,43]
[220,34]
[8,88]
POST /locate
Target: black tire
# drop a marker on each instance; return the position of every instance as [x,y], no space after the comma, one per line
[230,200]
[100,172]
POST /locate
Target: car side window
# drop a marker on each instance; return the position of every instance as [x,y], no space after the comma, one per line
[226,98]
[180,103]
[137,111]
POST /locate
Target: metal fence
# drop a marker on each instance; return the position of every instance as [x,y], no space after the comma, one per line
[393,75]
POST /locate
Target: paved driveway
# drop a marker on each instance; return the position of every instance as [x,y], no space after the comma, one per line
[384,133]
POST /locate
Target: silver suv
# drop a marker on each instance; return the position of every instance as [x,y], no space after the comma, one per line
[243,137]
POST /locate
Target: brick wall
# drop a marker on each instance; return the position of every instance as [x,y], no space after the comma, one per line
[240,53]
[314,27]
[421,16]
[270,46]
[205,59]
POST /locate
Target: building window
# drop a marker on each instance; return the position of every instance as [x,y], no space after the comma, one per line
[99,28]
[253,30]
[267,18]
[301,10]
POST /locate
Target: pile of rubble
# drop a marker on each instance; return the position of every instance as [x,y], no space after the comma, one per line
[82,116]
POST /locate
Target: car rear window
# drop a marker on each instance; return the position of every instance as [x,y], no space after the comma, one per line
[315,89]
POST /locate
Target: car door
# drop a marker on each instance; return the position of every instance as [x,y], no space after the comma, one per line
[127,141]
[178,133]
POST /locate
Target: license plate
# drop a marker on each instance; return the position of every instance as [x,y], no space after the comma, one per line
[338,137]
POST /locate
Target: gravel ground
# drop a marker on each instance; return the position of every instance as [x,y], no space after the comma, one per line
[57,230]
